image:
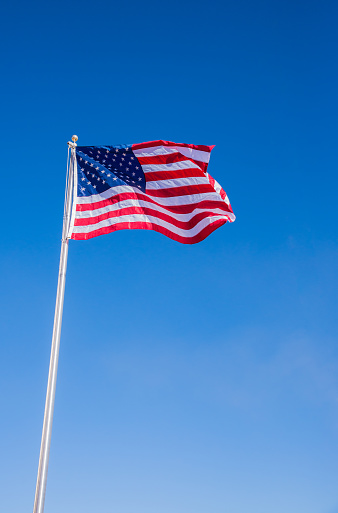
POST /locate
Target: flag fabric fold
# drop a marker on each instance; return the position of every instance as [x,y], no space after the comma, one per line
[157,185]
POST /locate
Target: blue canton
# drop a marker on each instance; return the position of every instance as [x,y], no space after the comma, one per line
[103,167]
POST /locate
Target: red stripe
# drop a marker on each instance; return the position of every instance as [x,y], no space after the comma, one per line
[169,158]
[150,144]
[185,190]
[190,172]
[177,209]
[151,226]
[202,165]
[184,225]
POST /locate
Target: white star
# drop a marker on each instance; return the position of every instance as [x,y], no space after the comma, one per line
[83,189]
[115,178]
[133,174]
[80,158]
[98,179]
[120,163]
[103,181]
[108,174]
[83,178]
[97,168]
[88,183]
[93,175]
[139,179]
[131,158]
[86,161]
[94,186]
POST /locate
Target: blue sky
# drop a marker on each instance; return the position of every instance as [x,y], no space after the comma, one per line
[192,379]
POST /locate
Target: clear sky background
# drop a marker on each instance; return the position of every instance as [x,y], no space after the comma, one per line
[192,379]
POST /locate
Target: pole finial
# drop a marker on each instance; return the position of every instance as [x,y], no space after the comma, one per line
[74,138]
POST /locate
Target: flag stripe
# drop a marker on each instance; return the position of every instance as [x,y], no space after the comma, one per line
[181,191]
[181,163]
[182,208]
[168,158]
[178,165]
[116,191]
[152,220]
[149,213]
[167,144]
[177,183]
[207,230]
[218,208]
[169,175]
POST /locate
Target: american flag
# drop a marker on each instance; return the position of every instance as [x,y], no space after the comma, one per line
[157,185]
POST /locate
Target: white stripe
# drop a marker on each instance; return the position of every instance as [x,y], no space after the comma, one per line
[201,156]
[175,200]
[177,182]
[217,187]
[174,166]
[139,218]
[88,214]
[106,194]
[151,151]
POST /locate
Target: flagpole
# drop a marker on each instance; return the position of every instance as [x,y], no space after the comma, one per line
[40,492]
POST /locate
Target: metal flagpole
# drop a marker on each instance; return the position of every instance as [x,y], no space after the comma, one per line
[40,492]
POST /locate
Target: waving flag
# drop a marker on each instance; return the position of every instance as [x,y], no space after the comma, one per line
[157,185]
